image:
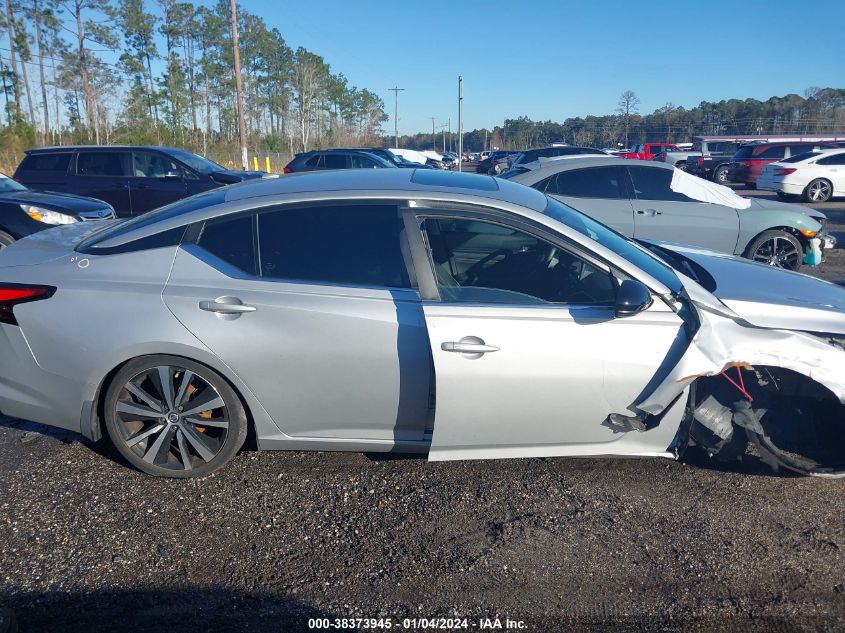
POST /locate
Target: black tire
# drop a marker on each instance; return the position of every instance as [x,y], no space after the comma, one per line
[5,239]
[819,190]
[785,196]
[721,175]
[751,185]
[682,165]
[187,443]
[776,248]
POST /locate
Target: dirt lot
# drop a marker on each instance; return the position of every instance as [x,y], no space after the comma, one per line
[87,544]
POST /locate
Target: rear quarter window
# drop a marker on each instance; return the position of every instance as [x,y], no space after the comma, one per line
[46,162]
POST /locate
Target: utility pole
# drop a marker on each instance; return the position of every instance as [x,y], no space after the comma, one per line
[396,90]
[449,127]
[433,135]
[239,96]
[460,121]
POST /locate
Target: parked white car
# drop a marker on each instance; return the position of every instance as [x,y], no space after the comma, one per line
[817,176]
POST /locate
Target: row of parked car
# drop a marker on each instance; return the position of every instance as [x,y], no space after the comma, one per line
[642,200]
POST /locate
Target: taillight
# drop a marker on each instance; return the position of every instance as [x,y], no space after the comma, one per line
[15,294]
[785,171]
[287,170]
[700,161]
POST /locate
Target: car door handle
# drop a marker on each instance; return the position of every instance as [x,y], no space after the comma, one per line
[119,185]
[226,305]
[468,348]
[141,186]
[649,212]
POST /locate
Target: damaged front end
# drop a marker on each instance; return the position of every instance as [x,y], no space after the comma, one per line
[775,393]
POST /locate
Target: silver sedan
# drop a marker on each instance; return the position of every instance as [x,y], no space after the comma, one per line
[412,310]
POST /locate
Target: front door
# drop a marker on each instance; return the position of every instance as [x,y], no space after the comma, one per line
[528,356]
[103,174]
[669,216]
[598,192]
[155,181]
[312,308]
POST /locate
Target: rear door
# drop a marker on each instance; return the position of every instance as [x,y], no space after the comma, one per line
[155,180]
[833,167]
[329,334]
[103,174]
[528,357]
[597,191]
[666,215]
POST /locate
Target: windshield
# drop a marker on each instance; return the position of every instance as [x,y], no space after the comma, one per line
[618,243]
[195,162]
[7,184]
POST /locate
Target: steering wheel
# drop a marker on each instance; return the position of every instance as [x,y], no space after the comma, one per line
[471,274]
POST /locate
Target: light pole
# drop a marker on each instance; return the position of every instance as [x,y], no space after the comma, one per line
[433,135]
[239,96]
[396,90]
[460,121]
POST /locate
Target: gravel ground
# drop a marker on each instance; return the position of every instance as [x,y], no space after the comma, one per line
[87,544]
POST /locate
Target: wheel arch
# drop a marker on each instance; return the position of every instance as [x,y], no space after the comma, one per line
[783,227]
[93,413]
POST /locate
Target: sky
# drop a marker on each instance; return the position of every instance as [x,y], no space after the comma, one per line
[549,59]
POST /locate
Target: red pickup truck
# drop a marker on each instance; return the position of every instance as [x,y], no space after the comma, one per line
[648,151]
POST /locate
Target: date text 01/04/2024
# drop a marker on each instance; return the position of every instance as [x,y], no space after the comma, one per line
[418,624]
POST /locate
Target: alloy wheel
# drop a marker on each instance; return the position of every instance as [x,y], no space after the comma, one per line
[172,418]
[818,191]
[779,252]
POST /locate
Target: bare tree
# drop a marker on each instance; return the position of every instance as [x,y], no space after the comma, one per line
[628,105]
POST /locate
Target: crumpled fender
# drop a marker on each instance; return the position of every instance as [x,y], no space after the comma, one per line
[724,340]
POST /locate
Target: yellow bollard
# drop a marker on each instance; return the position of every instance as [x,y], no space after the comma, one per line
[255,163]
[267,163]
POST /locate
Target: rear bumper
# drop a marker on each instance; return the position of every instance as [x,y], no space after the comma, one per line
[30,393]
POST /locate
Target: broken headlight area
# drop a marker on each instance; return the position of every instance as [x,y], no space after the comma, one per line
[787,419]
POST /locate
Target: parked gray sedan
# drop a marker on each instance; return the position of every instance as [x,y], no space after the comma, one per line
[638,200]
[412,310]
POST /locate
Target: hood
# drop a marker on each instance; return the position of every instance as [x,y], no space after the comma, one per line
[55,201]
[763,204]
[230,176]
[770,297]
[50,244]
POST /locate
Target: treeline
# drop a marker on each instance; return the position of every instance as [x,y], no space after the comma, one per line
[168,80]
[819,111]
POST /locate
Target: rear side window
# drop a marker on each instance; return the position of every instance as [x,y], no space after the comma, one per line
[100,164]
[797,158]
[744,152]
[335,161]
[593,182]
[233,241]
[312,162]
[356,245]
[776,151]
[653,184]
[799,149]
[46,162]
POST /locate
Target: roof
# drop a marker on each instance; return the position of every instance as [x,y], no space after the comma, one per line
[537,170]
[414,181]
[71,148]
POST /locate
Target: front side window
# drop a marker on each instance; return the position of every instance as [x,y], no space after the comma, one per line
[362,162]
[100,164]
[350,244]
[482,262]
[653,183]
[152,165]
[593,182]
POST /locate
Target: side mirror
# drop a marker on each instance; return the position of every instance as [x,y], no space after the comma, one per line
[632,298]
[173,175]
